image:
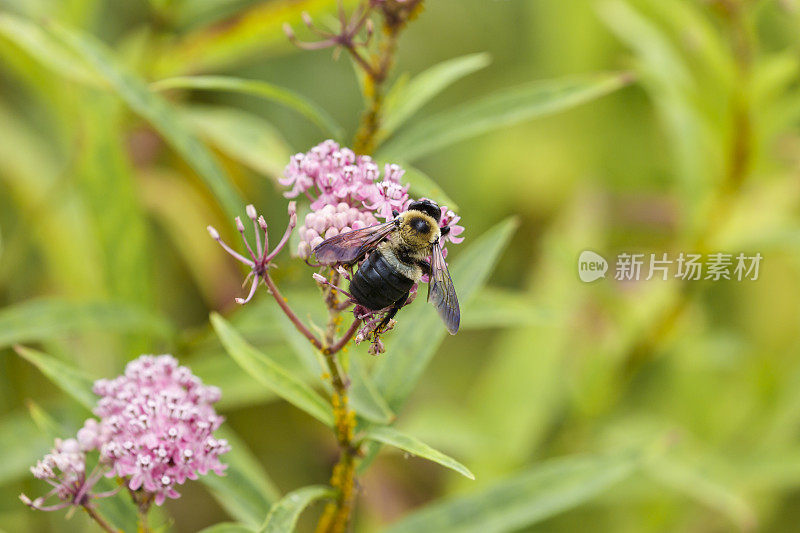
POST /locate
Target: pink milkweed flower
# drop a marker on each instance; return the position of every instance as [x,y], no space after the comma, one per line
[64,468]
[260,258]
[329,175]
[449,218]
[328,222]
[160,422]
[387,197]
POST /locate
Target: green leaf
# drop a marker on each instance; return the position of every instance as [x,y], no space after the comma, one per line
[42,46]
[271,374]
[420,332]
[105,179]
[44,421]
[496,308]
[69,379]
[262,89]
[425,86]
[22,443]
[701,486]
[423,186]
[364,396]
[228,527]
[501,109]
[41,320]
[238,388]
[283,516]
[157,111]
[545,490]
[245,491]
[242,136]
[414,446]
[257,29]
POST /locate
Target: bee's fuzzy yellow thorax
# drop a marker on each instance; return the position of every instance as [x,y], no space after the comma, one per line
[410,221]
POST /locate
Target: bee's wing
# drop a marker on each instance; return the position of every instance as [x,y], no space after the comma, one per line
[442,293]
[351,246]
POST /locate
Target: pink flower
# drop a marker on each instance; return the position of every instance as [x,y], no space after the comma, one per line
[328,222]
[331,175]
[451,219]
[388,196]
[348,192]
[65,469]
[160,422]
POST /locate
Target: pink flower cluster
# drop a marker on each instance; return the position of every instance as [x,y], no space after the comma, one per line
[155,431]
[347,192]
[330,221]
[160,424]
[65,469]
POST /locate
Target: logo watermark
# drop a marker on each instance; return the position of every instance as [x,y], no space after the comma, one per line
[591,266]
[685,266]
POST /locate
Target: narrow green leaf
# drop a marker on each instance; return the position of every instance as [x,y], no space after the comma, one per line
[257,29]
[238,388]
[242,136]
[40,320]
[245,491]
[157,111]
[702,487]
[271,374]
[501,109]
[46,423]
[495,308]
[419,333]
[68,378]
[22,443]
[259,88]
[426,85]
[282,518]
[228,527]
[545,490]
[423,186]
[364,396]
[45,49]
[414,446]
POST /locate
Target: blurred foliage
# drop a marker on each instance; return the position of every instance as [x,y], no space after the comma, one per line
[127,127]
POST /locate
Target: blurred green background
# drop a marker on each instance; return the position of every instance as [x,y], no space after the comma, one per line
[104,253]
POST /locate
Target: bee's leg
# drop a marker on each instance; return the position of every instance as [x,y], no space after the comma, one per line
[426,267]
[322,280]
[390,315]
[445,230]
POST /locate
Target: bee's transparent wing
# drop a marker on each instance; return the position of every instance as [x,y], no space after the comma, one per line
[442,293]
[349,247]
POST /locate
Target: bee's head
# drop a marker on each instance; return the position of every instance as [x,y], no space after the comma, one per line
[428,207]
[419,225]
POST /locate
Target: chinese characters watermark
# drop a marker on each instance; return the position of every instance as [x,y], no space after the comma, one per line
[684,266]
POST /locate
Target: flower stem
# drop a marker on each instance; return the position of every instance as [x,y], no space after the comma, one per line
[376,75]
[337,514]
[298,324]
[97,517]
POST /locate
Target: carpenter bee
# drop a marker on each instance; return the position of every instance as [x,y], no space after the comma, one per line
[396,258]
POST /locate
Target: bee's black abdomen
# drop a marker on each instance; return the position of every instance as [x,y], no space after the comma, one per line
[376,284]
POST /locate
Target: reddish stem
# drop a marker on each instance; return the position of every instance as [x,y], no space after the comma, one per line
[298,324]
[338,345]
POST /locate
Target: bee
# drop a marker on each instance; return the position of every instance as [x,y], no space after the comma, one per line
[396,258]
